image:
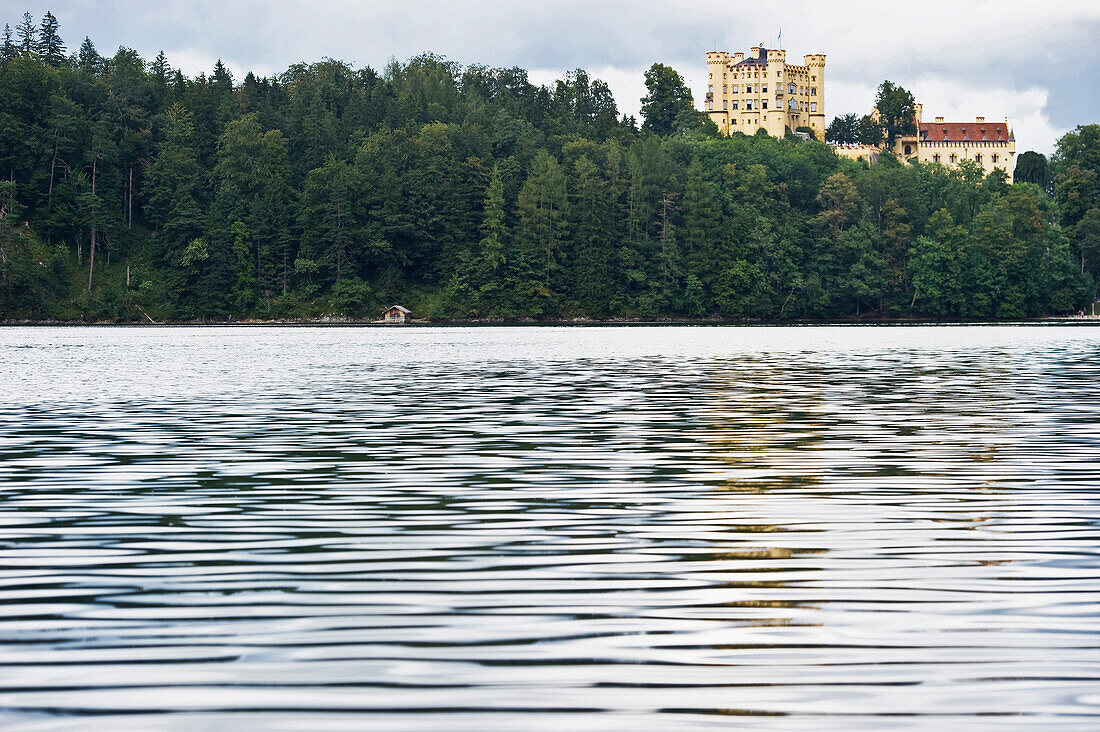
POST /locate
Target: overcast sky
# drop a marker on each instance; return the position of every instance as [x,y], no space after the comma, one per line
[1035,62]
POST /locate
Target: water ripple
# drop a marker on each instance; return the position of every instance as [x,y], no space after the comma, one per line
[593,528]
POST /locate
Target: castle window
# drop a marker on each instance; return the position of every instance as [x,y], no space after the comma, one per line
[936,158]
[723,88]
[734,104]
[734,88]
[764,104]
[710,88]
[813,106]
[813,78]
[994,157]
[953,158]
[813,91]
[765,88]
[908,149]
[791,88]
[978,158]
[724,103]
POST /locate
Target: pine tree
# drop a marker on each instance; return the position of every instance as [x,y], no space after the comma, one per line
[50,46]
[26,32]
[251,183]
[588,215]
[702,229]
[161,69]
[8,52]
[173,186]
[330,228]
[542,203]
[222,80]
[88,59]
[493,227]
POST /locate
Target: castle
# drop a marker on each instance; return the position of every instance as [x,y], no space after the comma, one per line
[763,91]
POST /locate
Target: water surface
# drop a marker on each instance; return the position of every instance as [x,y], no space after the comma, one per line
[827,528]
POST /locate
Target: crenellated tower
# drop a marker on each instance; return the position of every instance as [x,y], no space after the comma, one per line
[815,65]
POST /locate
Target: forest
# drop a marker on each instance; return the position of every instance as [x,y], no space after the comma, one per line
[130,192]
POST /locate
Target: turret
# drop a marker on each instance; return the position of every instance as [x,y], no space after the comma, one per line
[717,65]
[815,67]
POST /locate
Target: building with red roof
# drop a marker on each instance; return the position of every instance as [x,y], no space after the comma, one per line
[990,145]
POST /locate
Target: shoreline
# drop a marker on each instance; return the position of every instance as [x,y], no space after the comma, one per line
[579,322]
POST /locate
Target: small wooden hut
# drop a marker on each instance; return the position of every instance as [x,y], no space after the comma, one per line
[396,314]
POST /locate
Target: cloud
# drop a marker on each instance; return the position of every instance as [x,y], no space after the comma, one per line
[1025,109]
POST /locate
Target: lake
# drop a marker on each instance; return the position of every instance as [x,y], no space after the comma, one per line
[548,528]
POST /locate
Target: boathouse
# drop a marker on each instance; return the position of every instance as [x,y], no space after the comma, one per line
[396,314]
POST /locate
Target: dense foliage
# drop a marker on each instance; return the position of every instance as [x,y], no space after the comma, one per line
[894,116]
[131,192]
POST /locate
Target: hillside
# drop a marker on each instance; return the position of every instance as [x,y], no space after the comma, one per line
[469,192]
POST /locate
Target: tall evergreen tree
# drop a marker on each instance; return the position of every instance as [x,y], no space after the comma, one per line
[88,59]
[702,227]
[588,218]
[174,187]
[50,46]
[494,230]
[330,221]
[27,32]
[8,51]
[542,203]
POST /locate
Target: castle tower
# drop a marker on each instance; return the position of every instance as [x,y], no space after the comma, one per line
[714,100]
[775,115]
[815,68]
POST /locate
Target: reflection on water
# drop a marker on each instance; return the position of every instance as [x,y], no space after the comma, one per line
[544,528]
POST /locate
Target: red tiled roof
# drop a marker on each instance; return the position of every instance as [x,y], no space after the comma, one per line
[964,131]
